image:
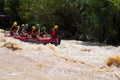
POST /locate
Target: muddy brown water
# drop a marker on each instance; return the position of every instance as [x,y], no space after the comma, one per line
[72,60]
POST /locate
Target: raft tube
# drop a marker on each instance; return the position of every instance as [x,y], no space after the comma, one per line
[55,41]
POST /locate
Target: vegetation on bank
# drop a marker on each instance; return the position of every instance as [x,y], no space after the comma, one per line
[89,20]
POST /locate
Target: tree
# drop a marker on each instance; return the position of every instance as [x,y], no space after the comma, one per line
[115,3]
[1,5]
[11,7]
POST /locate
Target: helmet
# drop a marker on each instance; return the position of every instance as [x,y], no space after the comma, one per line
[15,23]
[43,28]
[23,25]
[37,25]
[33,27]
[26,24]
[56,27]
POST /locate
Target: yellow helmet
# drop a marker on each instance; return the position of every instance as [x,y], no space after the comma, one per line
[15,23]
[33,27]
[56,27]
[23,25]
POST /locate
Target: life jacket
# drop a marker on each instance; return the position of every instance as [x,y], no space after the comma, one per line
[42,33]
[33,32]
[14,29]
[54,33]
[36,31]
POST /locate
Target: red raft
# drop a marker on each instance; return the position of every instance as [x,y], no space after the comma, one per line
[55,41]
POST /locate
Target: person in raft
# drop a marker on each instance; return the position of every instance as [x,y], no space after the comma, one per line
[14,29]
[33,32]
[37,30]
[43,32]
[24,30]
[54,32]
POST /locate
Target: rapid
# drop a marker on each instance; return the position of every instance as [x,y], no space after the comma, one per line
[71,60]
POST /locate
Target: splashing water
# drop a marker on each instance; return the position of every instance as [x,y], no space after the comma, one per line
[72,60]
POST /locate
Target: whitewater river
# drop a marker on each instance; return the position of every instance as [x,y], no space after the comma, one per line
[72,60]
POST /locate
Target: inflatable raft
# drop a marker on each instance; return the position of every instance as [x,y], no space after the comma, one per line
[55,41]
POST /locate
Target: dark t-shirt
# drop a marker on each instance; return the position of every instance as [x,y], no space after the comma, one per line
[14,28]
